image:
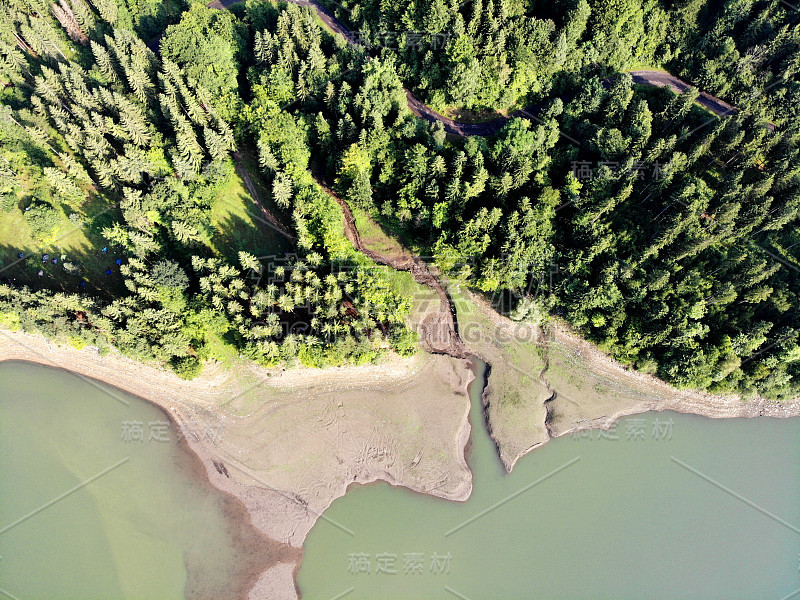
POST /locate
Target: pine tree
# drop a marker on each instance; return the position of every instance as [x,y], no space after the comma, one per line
[217,146]
[282,190]
[104,62]
[107,10]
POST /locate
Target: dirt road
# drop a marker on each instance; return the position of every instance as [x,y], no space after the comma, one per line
[423,111]
[439,330]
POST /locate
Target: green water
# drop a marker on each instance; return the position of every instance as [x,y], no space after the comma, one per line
[623,521]
[147,528]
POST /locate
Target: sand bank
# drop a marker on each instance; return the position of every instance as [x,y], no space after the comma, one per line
[547,382]
[288,443]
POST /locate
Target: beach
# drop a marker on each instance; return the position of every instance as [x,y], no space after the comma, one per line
[286,443]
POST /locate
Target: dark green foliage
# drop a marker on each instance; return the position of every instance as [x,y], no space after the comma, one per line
[121,125]
[675,247]
[677,273]
[663,256]
[187,367]
[740,50]
[488,54]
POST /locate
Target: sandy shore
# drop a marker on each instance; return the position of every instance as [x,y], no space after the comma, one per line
[288,443]
[560,383]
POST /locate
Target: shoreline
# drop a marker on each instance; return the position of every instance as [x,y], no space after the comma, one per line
[280,514]
[283,510]
[604,392]
[197,459]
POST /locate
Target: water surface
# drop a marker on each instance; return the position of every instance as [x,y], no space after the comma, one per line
[644,515]
[146,525]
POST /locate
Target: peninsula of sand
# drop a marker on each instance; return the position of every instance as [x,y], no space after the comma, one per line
[291,441]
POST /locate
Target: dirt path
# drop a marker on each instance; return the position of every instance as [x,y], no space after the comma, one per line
[251,188]
[439,330]
[490,127]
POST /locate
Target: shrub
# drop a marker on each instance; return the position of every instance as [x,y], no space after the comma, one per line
[44,221]
[186,367]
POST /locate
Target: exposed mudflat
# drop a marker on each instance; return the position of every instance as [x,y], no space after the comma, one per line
[547,382]
[286,444]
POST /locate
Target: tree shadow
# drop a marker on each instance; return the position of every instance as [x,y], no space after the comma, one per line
[73,272]
[77,269]
[256,236]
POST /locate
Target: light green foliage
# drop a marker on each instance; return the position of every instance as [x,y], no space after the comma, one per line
[207,45]
[44,221]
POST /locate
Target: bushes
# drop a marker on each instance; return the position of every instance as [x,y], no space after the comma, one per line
[10,320]
[44,221]
[405,342]
[207,44]
[347,350]
[186,367]
[8,202]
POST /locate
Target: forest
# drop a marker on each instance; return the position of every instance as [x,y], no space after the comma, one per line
[489,55]
[662,232]
[95,125]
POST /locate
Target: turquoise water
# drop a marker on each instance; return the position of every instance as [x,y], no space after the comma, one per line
[140,522]
[645,515]
[676,507]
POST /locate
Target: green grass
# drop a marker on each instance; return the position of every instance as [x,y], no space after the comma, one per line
[76,245]
[383,235]
[645,66]
[240,225]
[374,235]
[378,240]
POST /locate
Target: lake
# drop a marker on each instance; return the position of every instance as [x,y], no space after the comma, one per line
[662,506]
[99,500]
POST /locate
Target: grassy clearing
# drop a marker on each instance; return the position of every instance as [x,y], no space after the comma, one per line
[382,237]
[240,226]
[423,298]
[237,220]
[375,236]
[80,246]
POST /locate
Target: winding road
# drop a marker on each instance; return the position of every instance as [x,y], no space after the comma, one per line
[643,77]
[440,330]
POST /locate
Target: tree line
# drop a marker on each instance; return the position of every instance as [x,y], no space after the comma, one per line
[663,233]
